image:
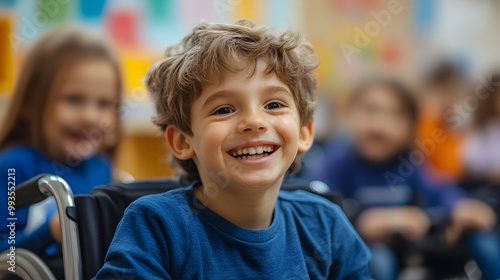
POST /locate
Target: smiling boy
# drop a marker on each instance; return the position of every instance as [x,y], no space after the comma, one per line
[236,105]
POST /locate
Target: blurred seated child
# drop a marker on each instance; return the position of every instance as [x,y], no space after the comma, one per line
[443,89]
[235,102]
[61,120]
[380,177]
[482,148]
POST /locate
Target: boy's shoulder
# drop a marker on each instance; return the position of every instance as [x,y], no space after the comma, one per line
[172,198]
[167,207]
[327,223]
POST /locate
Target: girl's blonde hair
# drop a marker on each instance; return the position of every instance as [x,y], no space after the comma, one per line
[51,54]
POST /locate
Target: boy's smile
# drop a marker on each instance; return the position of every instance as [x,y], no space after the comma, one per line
[254,151]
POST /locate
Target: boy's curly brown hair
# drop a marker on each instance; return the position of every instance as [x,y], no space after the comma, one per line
[208,52]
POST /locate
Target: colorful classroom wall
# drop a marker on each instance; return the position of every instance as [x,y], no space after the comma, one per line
[346,39]
[353,38]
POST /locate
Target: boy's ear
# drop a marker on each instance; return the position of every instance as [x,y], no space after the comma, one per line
[306,137]
[179,143]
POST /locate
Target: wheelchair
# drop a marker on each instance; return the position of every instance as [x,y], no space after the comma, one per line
[88,222]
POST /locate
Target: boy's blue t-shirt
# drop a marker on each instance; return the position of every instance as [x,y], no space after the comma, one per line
[29,162]
[174,236]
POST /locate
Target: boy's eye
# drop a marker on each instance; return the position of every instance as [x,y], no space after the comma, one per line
[223,111]
[273,105]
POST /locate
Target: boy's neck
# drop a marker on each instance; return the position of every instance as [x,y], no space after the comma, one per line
[250,210]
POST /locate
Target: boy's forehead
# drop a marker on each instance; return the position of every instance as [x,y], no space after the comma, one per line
[242,72]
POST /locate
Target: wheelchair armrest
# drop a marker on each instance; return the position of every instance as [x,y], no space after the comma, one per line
[28,192]
[37,189]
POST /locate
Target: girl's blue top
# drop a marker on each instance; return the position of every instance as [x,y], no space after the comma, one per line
[31,224]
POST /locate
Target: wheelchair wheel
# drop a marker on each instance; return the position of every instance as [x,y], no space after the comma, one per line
[28,266]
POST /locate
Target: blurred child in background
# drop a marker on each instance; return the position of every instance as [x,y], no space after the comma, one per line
[63,119]
[443,89]
[381,180]
[482,148]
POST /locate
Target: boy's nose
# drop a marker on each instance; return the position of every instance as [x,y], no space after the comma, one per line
[252,122]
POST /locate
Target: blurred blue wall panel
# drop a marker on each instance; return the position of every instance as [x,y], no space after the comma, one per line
[7,3]
[282,13]
[424,11]
[164,26]
[92,9]
[160,10]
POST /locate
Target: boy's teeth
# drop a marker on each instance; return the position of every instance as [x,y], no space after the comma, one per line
[253,157]
[252,152]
